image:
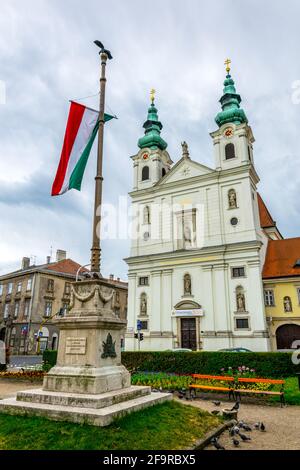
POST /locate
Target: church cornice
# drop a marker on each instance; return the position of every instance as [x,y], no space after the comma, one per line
[211,254]
[212,178]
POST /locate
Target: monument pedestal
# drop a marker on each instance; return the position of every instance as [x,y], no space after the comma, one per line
[88,384]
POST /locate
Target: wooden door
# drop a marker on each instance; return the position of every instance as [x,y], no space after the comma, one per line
[286,335]
[188,333]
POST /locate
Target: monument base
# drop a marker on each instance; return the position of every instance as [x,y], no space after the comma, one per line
[95,410]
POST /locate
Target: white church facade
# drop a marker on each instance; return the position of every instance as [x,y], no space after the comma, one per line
[198,248]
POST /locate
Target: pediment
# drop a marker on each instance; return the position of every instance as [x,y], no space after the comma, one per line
[184,169]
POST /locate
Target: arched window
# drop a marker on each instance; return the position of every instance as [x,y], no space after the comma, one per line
[229,151]
[145,173]
[240,299]
[163,172]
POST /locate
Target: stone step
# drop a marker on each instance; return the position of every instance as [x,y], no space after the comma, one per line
[91,416]
[83,400]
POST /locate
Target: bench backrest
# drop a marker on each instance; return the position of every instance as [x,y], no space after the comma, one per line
[263,381]
[213,377]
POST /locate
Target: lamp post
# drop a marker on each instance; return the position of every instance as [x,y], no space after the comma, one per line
[96,248]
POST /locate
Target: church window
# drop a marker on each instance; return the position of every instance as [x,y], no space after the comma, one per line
[242,323]
[238,272]
[163,172]
[249,153]
[146,236]
[229,151]
[144,325]
[145,173]
[144,281]
[269,298]
[234,221]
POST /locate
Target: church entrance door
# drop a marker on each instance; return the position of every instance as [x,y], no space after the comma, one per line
[188,333]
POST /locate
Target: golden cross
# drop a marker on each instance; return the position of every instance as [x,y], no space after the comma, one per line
[152,95]
[227,63]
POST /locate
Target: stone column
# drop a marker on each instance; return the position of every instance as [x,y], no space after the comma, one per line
[155,318]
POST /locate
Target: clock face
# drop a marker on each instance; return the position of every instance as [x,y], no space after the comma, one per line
[145,156]
[228,132]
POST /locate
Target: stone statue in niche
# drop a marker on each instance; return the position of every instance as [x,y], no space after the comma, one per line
[232,199]
[187,235]
[146,215]
[287,303]
[187,284]
[143,309]
[240,302]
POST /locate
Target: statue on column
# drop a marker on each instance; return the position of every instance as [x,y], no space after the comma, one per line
[143,309]
[240,301]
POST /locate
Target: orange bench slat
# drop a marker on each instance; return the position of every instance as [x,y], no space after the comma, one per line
[264,381]
[208,387]
[266,392]
[213,377]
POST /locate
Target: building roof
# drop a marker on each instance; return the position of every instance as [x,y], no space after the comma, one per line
[66,266]
[266,220]
[281,257]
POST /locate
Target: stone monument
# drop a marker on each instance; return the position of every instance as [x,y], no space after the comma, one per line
[88,384]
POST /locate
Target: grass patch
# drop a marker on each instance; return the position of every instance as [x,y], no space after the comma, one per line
[168,426]
[291,392]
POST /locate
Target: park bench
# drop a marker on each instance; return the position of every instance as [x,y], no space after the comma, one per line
[218,378]
[243,380]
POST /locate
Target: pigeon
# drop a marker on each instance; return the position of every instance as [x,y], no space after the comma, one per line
[231,432]
[216,403]
[236,442]
[244,437]
[216,444]
[235,407]
[246,427]
[262,427]
[236,429]
[257,425]
[215,412]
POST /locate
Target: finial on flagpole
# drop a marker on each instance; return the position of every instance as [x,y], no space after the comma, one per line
[227,63]
[152,95]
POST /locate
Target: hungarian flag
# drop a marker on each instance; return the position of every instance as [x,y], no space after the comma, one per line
[81,130]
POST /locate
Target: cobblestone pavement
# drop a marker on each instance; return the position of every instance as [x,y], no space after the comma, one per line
[282,426]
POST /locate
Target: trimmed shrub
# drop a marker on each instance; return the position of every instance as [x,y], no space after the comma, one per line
[266,364]
[49,359]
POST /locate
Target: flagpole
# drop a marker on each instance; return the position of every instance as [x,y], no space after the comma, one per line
[96,248]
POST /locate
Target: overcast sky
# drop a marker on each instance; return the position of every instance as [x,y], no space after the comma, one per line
[47,57]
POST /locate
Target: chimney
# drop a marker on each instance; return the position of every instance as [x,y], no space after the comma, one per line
[111,277]
[118,279]
[25,263]
[48,260]
[60,255]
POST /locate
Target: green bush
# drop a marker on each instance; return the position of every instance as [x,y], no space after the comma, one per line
[49,359]
[268,365]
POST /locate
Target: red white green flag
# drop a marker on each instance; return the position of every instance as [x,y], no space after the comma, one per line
[81,130]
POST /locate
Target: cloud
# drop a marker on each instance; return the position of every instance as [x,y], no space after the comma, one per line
[48,57]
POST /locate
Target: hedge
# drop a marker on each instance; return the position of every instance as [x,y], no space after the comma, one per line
[268,364]
[49,359]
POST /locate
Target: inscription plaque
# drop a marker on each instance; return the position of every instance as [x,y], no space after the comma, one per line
[76,346]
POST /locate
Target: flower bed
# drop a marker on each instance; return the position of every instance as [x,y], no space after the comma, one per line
[24,375]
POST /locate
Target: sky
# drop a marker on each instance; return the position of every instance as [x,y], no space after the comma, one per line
[47,57]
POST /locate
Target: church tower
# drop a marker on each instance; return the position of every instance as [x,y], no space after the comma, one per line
[152,162]
[233,140]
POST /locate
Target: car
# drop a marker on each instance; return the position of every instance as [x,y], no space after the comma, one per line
[235,350]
